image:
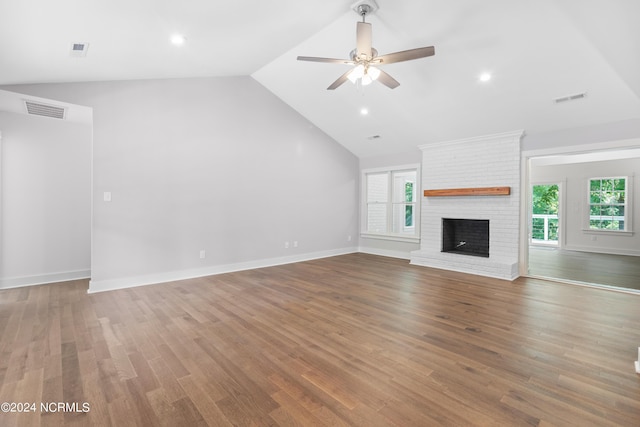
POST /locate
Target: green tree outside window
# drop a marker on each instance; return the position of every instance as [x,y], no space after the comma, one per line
[545,202]
[607,203]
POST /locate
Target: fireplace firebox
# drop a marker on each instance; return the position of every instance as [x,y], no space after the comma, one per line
[466,236]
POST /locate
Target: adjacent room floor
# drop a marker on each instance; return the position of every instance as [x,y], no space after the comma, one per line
[601,269]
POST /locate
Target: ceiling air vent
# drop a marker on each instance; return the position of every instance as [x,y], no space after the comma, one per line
[38,109]
[79,49]
[570,98]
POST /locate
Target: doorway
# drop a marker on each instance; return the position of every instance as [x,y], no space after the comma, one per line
[545,215]
[45,202]
[556,242]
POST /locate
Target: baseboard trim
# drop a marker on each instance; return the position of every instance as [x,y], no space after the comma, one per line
[385,252]
[43,279]
[609,251]
[172,276]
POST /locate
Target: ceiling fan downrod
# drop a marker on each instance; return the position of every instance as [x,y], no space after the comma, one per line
[363,10]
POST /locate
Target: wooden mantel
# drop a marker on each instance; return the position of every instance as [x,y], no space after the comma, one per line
[478,191]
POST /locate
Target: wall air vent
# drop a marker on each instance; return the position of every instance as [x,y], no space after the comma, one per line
[39,109]
[79,49]
[568,98]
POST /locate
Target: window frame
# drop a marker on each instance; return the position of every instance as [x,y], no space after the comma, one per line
[389,235]
[628,207]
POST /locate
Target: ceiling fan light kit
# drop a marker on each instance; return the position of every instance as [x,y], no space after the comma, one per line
[366,75]
[365,57]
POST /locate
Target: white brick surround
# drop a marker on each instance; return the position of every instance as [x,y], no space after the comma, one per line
[486,161]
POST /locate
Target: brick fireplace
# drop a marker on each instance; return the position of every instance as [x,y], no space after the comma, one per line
[486,161]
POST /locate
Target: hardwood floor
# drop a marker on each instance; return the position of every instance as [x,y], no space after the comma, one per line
[620,271]
[350,340]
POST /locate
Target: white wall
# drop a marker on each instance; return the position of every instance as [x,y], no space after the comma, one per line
[214,164]
[46,200]
[576,177]
[600,133]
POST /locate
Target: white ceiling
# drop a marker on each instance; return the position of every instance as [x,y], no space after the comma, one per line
[535,51]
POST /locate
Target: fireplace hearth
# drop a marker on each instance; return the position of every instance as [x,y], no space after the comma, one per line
[466,236]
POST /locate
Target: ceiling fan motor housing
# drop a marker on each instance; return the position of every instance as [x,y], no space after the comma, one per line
[354,54]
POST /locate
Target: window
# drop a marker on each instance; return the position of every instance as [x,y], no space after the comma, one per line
[608,204]
[390,208]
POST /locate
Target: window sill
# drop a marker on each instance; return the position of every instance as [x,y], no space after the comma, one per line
[608,232]
[394,237]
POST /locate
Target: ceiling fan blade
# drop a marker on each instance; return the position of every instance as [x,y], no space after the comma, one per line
[328,60]
[387,80]
[406,55]
[363,39]
[343,78]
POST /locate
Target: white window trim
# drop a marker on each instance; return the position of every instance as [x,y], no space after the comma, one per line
[363,204]
[628,210]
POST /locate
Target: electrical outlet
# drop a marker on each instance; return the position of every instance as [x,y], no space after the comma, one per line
[286,245]
[295,243]
[203,254]
[106,196]
[348,238]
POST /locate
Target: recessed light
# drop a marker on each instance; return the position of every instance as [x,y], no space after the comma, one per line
[178,39]
[484,77]
[364,111]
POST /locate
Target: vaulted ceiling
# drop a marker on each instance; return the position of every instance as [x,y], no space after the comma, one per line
[535,52]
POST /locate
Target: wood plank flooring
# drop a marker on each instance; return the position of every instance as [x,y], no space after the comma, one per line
[622,271]
[354,340]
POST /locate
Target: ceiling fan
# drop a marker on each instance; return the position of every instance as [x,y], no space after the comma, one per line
[365,57]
